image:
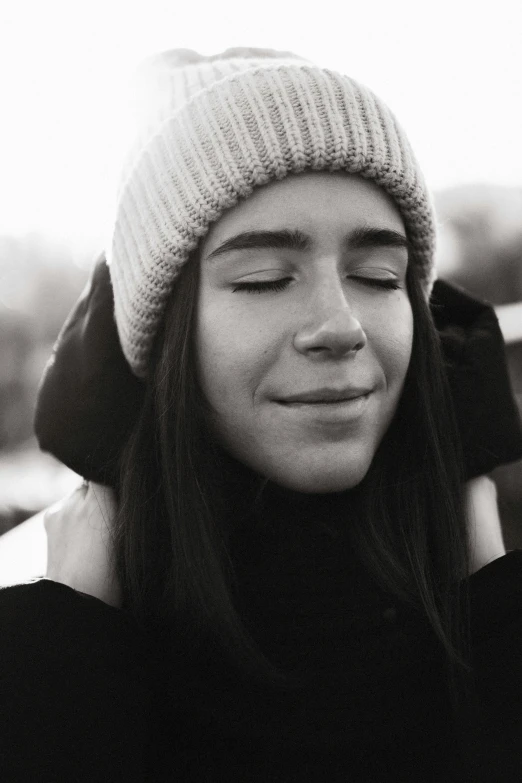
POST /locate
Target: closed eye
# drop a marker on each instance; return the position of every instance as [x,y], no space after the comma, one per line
[280,285]
[379,282]
[266,285]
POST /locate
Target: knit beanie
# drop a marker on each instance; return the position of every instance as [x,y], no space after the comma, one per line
[213,129]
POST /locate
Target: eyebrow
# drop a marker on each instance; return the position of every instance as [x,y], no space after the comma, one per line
[286,239]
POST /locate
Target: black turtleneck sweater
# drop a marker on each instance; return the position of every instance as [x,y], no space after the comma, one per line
[85,697]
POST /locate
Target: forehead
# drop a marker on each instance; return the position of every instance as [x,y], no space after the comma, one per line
[320,202]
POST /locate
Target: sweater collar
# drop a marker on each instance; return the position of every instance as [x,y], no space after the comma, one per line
[264,502]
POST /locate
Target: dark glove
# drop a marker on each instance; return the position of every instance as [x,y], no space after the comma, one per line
[474,351]
[88,397]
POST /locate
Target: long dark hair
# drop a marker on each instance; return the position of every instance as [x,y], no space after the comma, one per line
[171,535]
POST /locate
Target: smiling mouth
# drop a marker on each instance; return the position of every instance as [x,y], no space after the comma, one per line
[338,416]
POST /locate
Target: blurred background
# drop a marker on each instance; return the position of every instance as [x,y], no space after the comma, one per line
[450,71]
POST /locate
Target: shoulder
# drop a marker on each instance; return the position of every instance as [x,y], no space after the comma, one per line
[496,595]
[75,690]
[45,624]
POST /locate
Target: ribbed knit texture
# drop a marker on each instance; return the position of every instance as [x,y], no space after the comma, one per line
[217,127]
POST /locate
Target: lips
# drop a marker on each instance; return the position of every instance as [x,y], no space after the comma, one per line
[322,396]
[331,418]
[322,402]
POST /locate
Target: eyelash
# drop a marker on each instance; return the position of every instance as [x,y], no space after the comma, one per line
[280,285]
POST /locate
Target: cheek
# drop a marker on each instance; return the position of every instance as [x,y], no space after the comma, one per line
[392,337]
[230,356]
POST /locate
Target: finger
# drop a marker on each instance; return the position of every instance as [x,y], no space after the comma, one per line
[484,526]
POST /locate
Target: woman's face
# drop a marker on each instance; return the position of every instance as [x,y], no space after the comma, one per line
[330,312]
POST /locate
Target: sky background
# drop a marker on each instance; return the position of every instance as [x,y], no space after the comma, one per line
[451,72]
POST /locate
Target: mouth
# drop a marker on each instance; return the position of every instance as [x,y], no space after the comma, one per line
[328,412]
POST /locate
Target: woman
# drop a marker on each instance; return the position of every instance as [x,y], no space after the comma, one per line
[287,551]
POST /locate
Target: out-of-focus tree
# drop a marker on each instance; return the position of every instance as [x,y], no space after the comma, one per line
[39,282]
[15,347]
[481,240]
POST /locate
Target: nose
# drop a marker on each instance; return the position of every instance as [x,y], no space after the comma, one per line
[335,330]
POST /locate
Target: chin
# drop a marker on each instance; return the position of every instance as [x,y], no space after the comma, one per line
[319,481]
